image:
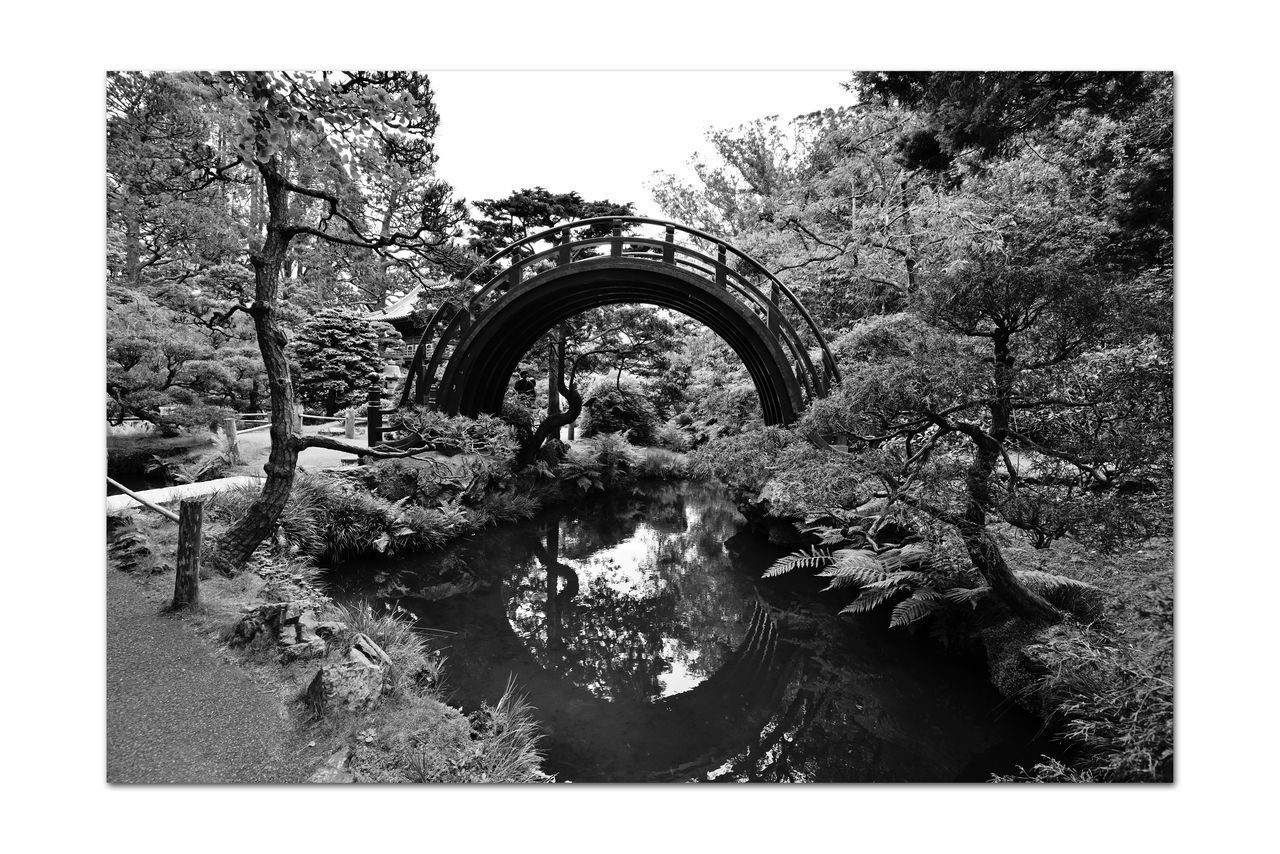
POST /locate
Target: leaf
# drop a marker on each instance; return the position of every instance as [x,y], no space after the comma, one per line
[915,607]
[869,600]
[815,558]
[381,543]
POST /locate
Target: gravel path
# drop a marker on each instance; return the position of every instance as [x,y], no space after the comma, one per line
[178,714]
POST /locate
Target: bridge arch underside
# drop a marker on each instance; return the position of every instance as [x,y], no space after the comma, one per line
[476,377]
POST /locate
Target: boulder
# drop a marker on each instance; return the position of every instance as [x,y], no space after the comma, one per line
[310,649]
[355,684]
[334,769]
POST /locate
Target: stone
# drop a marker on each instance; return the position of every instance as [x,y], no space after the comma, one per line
[373,653]
[334,769]
[307,627]
[352,685]
[331,629]
[287,635]
[311,649]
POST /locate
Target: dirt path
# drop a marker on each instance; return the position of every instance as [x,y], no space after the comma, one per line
[176,713]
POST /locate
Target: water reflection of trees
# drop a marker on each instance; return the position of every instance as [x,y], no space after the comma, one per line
[652,591]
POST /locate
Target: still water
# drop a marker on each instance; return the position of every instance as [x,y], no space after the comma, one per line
[639,628]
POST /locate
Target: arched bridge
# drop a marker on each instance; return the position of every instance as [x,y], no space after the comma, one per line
[471,347]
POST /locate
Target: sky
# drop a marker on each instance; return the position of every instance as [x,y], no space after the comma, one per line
[602,133]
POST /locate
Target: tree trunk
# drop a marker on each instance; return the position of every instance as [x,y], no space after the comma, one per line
[550,427]
[982,547]
[553,378]
[238,543]
[132,243]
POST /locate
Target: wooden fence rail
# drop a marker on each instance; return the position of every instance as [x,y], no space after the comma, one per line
[190,519]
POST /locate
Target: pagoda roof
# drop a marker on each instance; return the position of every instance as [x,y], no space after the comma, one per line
[401,309]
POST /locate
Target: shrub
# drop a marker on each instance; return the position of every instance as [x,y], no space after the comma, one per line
[744,462]
[660,464]
[613,410]
[457,434]
[335,352]
[670,436]
[329,516]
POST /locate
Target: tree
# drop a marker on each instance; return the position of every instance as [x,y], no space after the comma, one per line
[1012,388]
[502,222]
[336,351]
[361,132]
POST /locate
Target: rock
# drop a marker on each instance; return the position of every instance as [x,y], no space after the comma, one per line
[353,685]
[311,649]
[373,653]
[307,627]
[287,635]
[331,629]
[334,769]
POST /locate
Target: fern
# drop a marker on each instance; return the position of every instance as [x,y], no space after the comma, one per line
[920,604]
[1049,585]
[966,595]
[853,567]
[912,554]
[870,599]
[815,558]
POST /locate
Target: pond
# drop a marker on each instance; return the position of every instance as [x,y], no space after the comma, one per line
[640,630]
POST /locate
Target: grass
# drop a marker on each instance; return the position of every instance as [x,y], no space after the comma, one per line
[414,666]
[1107,688]
[334,519]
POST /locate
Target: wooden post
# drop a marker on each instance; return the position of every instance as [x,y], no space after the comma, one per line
[721,268]
[615,245]
[669,246]
[774,309]
[375,410]
[350,424]
[563,257]
[186,582]
[233,441]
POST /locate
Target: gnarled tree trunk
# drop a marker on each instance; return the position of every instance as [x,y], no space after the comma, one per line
[239,542]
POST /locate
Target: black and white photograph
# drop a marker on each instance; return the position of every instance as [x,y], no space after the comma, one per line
[838,450]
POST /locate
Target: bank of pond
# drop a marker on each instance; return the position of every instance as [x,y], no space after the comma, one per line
[639,627]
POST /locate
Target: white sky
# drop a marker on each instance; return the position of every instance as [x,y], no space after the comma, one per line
[601,133]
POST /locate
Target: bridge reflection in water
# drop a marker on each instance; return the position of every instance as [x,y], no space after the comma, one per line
[637,628]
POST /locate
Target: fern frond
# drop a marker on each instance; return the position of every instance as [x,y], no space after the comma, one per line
[912,554]
[966,595]
[870,599]
[827,535]
[852,568]
[917,606]
[815,558]
[1047,584]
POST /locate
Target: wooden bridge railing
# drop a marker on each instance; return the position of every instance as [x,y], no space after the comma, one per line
[705,254]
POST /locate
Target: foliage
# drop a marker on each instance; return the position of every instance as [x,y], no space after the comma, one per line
[744,463]
[1113,704]
[502,222]
[336,352]
[163,371]
[327,516]
[412,664]
[661,464]
[919,580]
[610,409]
[425,741]
[457,434]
